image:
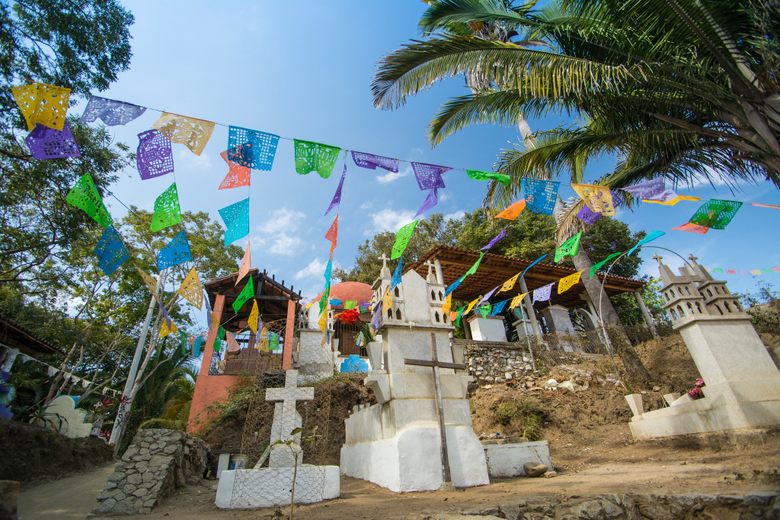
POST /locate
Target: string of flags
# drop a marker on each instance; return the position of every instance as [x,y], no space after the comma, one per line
[44,108]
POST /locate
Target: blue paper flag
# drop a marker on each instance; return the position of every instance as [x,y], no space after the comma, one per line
[498,308]
[532,264]
[540,195]
[335,302]
[328,270]
[175,252]
[397,273]
[354,363]
[649,238]
[236,218]
[111,251]
[198,345]
[252,148]
[454,285]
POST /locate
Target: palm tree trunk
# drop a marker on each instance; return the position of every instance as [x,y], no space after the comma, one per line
[593,287]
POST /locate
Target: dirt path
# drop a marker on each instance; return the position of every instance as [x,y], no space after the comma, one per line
[69,497]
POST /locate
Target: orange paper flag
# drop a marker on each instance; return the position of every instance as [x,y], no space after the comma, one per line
[760,205]
[333,234]
[692,228]
[246,264]
[513,211]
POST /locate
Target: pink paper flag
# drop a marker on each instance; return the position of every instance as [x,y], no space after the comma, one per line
[246,264]
[692,228]
[233,345]
[237,175]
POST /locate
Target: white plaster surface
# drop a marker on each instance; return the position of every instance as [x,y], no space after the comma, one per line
[223,463]
[267,487]
[557,316]
[487,329]
[635,403]
[506,460]
[315,361]
[70,420]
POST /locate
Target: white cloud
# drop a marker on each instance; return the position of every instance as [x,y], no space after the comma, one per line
[285,245]
[189,161]
[444,197]
[366,205]
[315,269]
[278,234]
[393,176]
[455,215]
[282,219]
[390,220]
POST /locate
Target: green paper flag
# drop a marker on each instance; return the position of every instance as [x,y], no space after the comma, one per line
[218,340]
[596,267]
[473,268]
[246,294]
[350,304]
[183,342]
[166,209]
[84,195]
[324,297]
[460,314]
[479,175]
[311,156]
[485,309]
[569,248]
[402,238]
[715,213]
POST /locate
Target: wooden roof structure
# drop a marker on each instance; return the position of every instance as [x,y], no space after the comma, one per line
[496,269]
[15,336]
[272,297]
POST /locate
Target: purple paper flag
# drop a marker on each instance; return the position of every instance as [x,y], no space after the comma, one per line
[371,161]
[429,176]
[430,201]
[488,295]
[495,240]
[588,216]
[542,294]
[112,112]
[48,143]
[650,190]
[336,200]
[376,319]
[154,156]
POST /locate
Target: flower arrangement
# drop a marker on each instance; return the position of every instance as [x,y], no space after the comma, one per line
[695,392]
[349,317]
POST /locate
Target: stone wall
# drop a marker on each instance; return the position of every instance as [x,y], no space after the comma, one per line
[157,462]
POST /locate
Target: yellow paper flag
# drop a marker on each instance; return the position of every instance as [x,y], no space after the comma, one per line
[517,300]
[387,300]
[597,198]
[191,289]
[512,211]
[189,131]
[509,283]
[164,330]
[150,282]
[471,306]
[42,103]
[254,317]
[445,307]
[567,282]
[672,202]
[323,323]
[246,264]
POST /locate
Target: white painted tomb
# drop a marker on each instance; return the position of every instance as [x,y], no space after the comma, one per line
[272,486]
[742,382]
[62,415]
[507,460]
[396,443]
[490,328]
[315,361]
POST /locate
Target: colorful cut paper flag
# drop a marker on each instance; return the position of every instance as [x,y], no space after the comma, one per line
[111,251]
[220,337]
[672,200]
[191,290]
[652,189]
[236,219]
[513,211]
[311,156]
[112,112]
[499,308]
[509,283]
[372,162]
[459,316]
[542,294]
[471,305]
[484,309]
[588,216]
[489,294]
[325,291]
[398,273]
[246,294]
[692,228]
[517,300]
[387,299]
[336,200]
[597,198]
[198,346]
[165,330]
[252,148]
[429,176]
[596,267]
[760,205]
[479,175]
[649,238]
[254,317]
[350,304]
[567,282]
[154,156]
[149,281]
[475,265]
[496,239]
[447,305]
[192,132]
[84,195]
[46,143]
[232,343]
[41,103]
[715,213]
[569,248]
[332,235]
[166,209]
[533,264]
[756,272]
[246,263]
[430,202]
[236,176]
[454,285]
[540,195]
[175,252]
[402,238]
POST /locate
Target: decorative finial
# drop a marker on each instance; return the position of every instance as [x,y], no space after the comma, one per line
[384,260]
[692,258]
[658,258]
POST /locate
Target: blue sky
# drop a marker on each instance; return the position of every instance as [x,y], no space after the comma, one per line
[303,69]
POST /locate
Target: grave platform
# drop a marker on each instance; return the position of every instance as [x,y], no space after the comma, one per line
[268,487]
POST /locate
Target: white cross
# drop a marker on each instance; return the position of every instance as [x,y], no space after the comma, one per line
[286,417]
[384,260]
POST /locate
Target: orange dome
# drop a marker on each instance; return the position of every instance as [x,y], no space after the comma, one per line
[358,291]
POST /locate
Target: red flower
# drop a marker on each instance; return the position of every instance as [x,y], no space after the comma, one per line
[349,317]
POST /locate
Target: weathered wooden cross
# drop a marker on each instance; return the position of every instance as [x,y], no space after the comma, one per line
[436,365]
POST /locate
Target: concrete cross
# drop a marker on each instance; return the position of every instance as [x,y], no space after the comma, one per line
[436,365]
[286,417]
[384,258]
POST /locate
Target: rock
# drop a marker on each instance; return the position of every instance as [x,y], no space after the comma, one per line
[534,469]
[551,384]
[551,474]
[569,386]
